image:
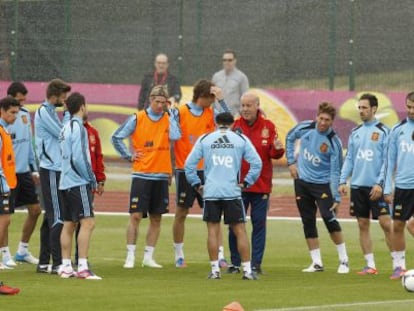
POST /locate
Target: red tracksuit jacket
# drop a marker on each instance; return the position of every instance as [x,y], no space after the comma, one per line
[95,150]
[262,134]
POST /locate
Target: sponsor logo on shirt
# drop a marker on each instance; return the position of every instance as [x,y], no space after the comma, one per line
[222,142]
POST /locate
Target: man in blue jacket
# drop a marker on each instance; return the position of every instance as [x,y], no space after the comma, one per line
[315,172]
[47,131]
[223,151]
[365,163]
[77,183]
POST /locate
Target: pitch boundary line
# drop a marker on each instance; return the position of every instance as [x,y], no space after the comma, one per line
[340,305]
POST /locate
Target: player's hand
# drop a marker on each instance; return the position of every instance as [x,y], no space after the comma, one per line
[342,189]
[36,178]
[388,198]
[100,189]
[293,171]
[334,207]
[200,190]
[278,144]
[375,193]
[136,156]
[217,92]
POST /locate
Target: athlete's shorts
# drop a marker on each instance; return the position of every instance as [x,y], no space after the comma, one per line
[185,194]
[234,211]
[310,196]
[7,203]
[362,206]
[25,190]
[148,196]
[403,204]
[78,203]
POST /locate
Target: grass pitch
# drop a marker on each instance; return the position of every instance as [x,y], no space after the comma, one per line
[283,287]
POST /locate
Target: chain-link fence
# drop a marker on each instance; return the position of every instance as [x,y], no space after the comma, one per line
[277,41]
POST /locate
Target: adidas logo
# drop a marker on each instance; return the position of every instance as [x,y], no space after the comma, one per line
[222,142]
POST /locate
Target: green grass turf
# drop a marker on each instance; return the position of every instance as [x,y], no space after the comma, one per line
[283,285]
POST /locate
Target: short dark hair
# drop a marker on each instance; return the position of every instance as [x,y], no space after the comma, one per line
[410,97]
[16,87]
[327,108]
[225,118]
[373,100]
[7,102]
[202,88]
[230,51]
[56,88]
[74,102]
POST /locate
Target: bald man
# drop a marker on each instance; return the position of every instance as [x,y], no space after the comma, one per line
[263,134]
[160,76]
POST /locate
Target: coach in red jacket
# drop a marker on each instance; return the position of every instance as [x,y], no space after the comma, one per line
[263,134]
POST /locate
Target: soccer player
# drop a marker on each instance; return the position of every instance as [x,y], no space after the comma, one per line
[364,162]
[9,108]
[98,166]
[315,172]
[263,135]
[195,119]
[47,132]
[26,171]
[151,131]
[223,151]
[400,163]
[77,183]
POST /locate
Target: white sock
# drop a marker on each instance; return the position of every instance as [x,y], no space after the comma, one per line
[394,263]
[316,256]
[221,252]
[179,250]
[131,249]
[370,260]
[214,266]
[148,252]
[247,267]
[343,256]
[5,251]
[83,264]
[400,259]
[66,262]
[23,248]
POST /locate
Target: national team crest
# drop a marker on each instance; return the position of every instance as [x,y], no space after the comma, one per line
[375,136]
[323,148]
[24,119]
[265,133]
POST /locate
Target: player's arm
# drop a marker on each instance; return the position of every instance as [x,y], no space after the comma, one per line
[100,166]
[390,164]
[222,106]
[253,158]
[347,167]
[191,164]
[336,160]
[175,129]
[123,132]
[276,149]
[49,121]
[244,84]
[292,136]
[80,156]
[5,190]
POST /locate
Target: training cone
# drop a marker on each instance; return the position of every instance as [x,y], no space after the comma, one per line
[234,306]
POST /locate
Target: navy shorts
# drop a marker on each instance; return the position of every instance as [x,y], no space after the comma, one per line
[78,203]
[362,206]
[233,210]
[25,190]
[148,196]
[403,204]
[185,194]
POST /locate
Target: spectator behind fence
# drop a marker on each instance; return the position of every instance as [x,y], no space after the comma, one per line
[160,76]
[232,81]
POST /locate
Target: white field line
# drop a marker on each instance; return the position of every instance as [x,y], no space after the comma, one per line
[341,305]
